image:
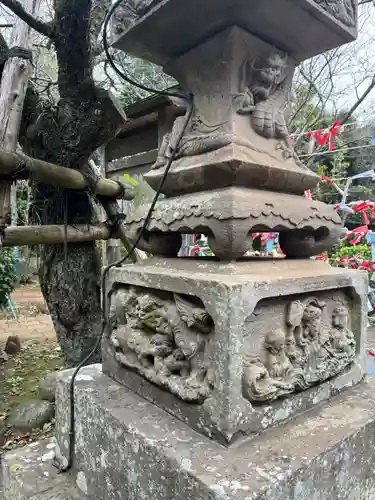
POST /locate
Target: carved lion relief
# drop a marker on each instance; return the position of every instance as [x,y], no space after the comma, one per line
[163,336]
[313,346]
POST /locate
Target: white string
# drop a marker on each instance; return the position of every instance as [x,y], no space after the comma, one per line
[337,150]
[327,128]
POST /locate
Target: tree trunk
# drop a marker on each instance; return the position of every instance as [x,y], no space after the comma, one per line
[67,134]
[70,273]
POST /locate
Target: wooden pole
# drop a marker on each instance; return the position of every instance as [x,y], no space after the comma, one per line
[112,209]
[14,82]
[50,235]
[103,169]
[20,166]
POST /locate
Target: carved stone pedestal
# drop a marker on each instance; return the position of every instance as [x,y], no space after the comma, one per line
[234,168]
[232,349]
[229,217]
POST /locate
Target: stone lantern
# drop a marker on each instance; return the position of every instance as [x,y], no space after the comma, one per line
[222,376]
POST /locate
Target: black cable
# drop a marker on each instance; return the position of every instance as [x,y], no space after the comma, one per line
[104,297]
[116,68]
[189,98]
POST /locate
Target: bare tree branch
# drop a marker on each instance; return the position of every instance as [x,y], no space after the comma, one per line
[359,102]
[38,25]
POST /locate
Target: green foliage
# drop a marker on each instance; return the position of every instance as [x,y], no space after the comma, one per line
[350,250]
[8,276]
[22,203]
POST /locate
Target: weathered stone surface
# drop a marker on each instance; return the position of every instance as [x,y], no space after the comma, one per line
[3,357]
[229,217]
[48,386]
[247,301]
[135,450]
[13,345]
[303,28]
[28,474]
[241,140]
[234,168]
[32,414]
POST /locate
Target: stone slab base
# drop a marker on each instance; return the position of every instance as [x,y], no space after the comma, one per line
[128,448]
[28,474]
[245,300]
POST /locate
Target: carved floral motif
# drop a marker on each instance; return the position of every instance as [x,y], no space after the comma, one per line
[311,349]
[342,10]
[163,336]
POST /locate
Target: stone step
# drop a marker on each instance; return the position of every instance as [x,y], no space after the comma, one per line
[28,474]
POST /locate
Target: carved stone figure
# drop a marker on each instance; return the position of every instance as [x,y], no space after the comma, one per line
[275,359]
[318,345]
[198,138]
[342,10]
[257,384]
[163,337]
[293,321]
[263,95]
[342,337]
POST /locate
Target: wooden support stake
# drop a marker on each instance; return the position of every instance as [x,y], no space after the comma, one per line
[112,209]
[20,166]
[50,235]
[14,82]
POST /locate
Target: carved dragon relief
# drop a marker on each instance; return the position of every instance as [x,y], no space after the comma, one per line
[163,336]
[313,347]
[199,138]
[263,96]
[342,10]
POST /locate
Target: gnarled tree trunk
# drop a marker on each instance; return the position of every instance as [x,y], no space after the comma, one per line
[85,118]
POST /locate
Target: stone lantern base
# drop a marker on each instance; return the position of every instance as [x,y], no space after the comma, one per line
[234,348]
[129,449]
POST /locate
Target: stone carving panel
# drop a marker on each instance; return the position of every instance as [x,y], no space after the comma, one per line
[342,10]
[198,138]
[164,337]
[315,344]
[263,96]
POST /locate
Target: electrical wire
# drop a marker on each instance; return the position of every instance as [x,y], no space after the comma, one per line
[118,71]
[65,468]
[189,98]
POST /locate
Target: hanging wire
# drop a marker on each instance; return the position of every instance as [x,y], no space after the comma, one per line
[365,146]
[189,98]
[118,71]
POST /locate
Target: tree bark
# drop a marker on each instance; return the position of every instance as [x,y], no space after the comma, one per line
[85,118]
[70,274]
